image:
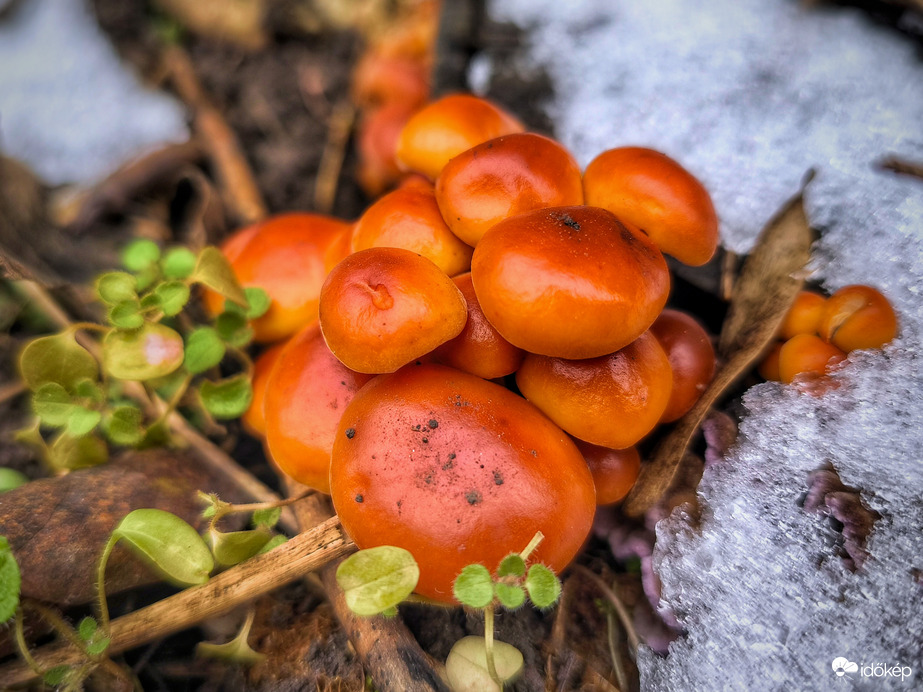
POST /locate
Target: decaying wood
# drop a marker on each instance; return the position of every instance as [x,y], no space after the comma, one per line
[770,279]
[240,584]
[240,192]
[387,649]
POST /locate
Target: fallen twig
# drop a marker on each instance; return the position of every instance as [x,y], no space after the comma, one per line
[240,584]
[235,179]
[339,126]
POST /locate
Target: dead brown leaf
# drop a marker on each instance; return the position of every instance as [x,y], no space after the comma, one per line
[769,281]
[58,526]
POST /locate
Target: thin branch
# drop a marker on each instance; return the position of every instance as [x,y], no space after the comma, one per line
[340,126]
[240,584]
[615,602]
[237,183]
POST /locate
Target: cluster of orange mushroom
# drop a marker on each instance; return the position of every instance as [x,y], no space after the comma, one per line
[818,332]
[478,355]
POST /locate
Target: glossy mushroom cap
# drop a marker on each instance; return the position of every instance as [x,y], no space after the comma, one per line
[655,193]
[571,282]
[611,401]
[288,256]
[503,177]
[382,308]
[409,218]
[447,127]
[457,470]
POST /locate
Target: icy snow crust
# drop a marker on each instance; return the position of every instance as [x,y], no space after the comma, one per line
[68,107]
[750,95]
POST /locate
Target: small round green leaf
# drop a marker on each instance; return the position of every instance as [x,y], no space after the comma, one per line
[230,548]
[140,254]
[234,328]
[234,547]
[123,426]
[543,586]
[168,543]
[377,579]
[267,517]
[474,586]
[227,398]
[11,478]
[511,596]
[512,566]
[88,389]
[126,314]
[173,297]
[115,287]
[214,271]
[178,263]
[82,420]
[53,404]
[69,452]
[87,628]
[10,580]
[98,646]
[204,350]
[273,542]
[153,351]
[258,302]
[53,677]
[466,666]
[57,358]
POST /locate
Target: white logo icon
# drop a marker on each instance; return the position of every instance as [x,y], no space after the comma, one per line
[841,666]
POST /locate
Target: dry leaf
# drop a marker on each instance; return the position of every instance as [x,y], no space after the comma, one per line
[58,526]
[769,281]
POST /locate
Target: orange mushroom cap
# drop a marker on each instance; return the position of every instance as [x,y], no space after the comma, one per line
[655,193]
[572,282]
[611,401]
[288,256]
[505,176]
[447,127]
[384,307]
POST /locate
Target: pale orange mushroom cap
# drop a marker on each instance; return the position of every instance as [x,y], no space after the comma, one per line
[506,176]
[447,127]
[409,218]
[571,282]
[384,307]
[655,193]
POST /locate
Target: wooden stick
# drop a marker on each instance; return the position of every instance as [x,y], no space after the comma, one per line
[240,584]
[235,179]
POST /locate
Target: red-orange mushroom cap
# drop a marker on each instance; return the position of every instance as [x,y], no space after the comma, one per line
[409,218]
[306,394]
[457,470]
[572,282]
[383,307]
